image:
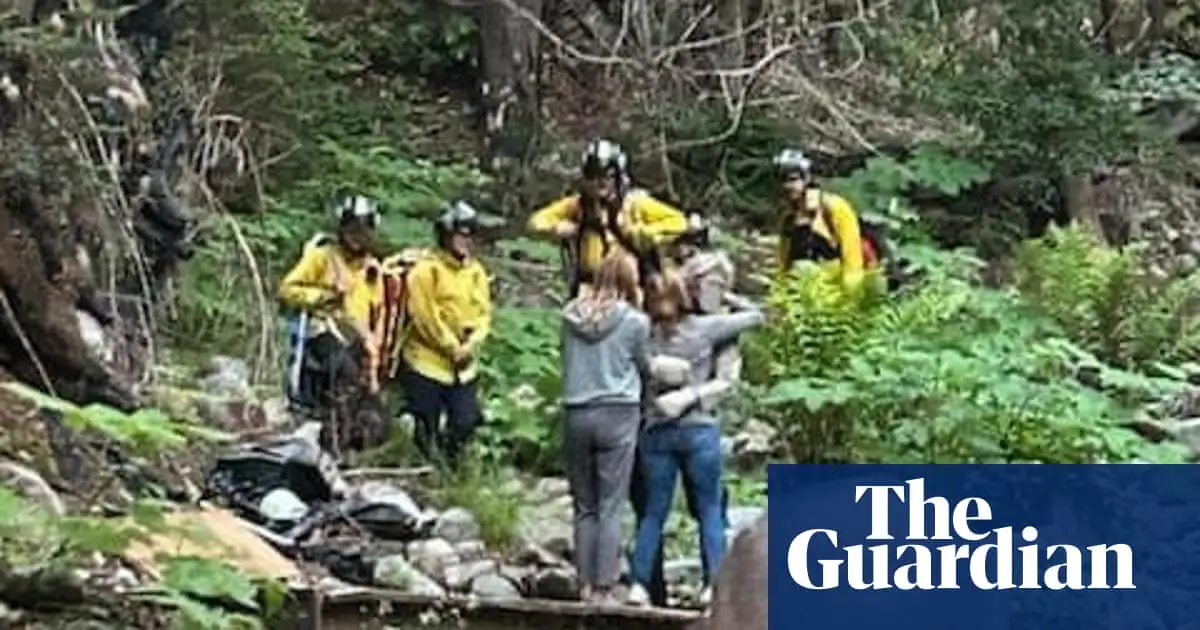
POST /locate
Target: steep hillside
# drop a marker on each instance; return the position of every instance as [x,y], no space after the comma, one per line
[161,168]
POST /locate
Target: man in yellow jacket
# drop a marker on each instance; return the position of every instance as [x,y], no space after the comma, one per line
[607,214]
[333,284]
[820,226]
[450,316]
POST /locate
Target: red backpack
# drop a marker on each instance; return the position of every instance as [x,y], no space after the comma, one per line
[872,237]
[389,317]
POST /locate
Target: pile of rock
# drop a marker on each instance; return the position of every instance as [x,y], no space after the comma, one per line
[455,560]
[375,533]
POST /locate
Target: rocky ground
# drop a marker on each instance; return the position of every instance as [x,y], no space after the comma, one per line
[380,527]
[439,548]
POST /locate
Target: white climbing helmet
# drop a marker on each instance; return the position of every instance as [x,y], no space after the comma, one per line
[358,207]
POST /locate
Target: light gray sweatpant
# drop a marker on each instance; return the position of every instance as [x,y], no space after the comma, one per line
[599,444]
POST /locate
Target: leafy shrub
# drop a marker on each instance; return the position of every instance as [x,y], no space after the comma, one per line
[488,493]
[879,189]
[424,37]
[520,381]
[188,582]
[1046,112]
[1107,302]
[949,373]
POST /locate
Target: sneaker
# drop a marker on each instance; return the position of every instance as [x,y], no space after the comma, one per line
[638,596]
[706,596]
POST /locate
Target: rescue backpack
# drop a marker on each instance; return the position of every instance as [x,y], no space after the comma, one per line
[389,318]
[387,322]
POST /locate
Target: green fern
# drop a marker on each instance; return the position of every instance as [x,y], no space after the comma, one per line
[951,372]
[1106,302]
[818,325]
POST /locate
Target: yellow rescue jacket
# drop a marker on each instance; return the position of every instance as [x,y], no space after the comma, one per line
[323,271]
[834,220]
[646,221]
[449,307]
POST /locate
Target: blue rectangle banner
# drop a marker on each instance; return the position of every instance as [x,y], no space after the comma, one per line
[982,547]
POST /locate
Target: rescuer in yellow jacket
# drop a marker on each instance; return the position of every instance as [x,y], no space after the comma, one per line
[332,282]
[607,214]
[450,316]
[335,289]
[821,227]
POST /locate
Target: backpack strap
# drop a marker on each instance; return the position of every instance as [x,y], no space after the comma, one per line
[319,239]
[872,259]
[827,217]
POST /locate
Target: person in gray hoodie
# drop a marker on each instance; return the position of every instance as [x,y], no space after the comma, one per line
[680,434]
[604,356]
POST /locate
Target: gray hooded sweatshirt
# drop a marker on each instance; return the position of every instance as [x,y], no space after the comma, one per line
[603,354]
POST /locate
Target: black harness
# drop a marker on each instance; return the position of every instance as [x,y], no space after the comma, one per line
[649,261]
[806,244]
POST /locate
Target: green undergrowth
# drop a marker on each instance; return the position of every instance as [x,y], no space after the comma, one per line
[949,372]
[193,591]
[491,493]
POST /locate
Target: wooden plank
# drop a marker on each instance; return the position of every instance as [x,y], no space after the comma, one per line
[527,606]
[379,609]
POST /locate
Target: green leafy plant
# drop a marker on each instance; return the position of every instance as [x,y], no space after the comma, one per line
[948,373]
[189,585]
[188,581]
[488,492]
[525,248]
[1108,303]
[1032,106]
[437,42]
[520,380]
[879,189]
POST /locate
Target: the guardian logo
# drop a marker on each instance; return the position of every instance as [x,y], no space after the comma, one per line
[987,558]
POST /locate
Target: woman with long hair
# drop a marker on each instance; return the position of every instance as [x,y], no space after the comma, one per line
[604,338]
[680,436]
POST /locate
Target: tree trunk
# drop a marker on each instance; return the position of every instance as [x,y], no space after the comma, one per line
[834,13]
[1108,14]
[1079,200]
[510,65]
[1156,11]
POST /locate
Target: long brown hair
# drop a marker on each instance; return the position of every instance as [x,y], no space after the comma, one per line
[616,279]
[668,301]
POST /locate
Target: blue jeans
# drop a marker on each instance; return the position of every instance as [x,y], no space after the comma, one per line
[657,587]
[667,450]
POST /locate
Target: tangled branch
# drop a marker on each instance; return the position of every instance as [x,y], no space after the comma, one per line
[666,55]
